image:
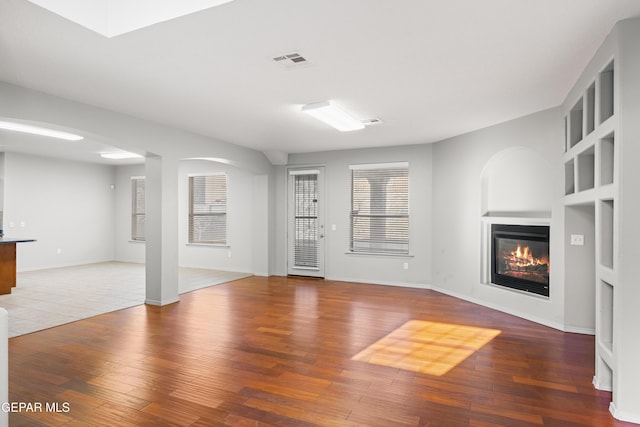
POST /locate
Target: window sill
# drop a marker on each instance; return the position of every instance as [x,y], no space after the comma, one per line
[213,245]
[138,241]
[377,254]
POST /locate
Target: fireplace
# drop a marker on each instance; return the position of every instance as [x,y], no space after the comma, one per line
[520,257]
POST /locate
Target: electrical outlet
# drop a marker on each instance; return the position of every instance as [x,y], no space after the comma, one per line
[577,239]
[406,265]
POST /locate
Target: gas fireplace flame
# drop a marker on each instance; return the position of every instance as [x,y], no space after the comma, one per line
[523,257]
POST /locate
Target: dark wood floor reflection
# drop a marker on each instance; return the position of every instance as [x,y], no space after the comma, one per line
[278,351]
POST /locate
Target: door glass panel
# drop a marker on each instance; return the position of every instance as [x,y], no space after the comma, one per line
[306,244]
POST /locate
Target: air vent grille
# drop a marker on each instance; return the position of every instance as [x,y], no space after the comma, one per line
[290,59]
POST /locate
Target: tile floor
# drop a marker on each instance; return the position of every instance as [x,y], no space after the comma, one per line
[46,298]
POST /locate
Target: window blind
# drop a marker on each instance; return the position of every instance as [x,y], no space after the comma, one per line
[137,209]
[380,208]
[306,222]
[208,209]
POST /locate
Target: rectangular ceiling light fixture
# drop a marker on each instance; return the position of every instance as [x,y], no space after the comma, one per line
[37,130]
[119,155]
[333,115]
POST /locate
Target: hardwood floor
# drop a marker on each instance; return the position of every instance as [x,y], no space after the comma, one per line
[278,351]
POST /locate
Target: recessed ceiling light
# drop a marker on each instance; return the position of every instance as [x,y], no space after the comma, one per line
[37,130]
[329,113]
[119,155]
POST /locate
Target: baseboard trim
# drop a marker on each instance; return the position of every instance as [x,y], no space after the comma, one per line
[381,282]
[599,386]
[624,415]
[161,303]
[577,330]
[507,310]
[525,316]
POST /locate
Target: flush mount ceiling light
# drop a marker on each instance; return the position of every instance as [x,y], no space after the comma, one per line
[37,130]
[119,155]
[333,115]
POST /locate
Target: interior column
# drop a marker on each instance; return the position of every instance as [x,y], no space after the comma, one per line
[161,230]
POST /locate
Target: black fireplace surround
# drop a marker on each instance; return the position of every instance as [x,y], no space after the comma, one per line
[520,257]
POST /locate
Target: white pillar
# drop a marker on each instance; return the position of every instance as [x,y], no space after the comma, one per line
[161,230]
[260,232]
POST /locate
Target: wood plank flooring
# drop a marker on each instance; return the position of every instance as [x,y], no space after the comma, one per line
[279,352]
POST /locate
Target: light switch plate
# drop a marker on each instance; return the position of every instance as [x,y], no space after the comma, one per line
[577,239]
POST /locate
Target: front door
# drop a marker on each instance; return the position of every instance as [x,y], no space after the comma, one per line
[305,222]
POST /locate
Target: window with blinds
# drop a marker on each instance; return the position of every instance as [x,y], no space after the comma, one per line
[137,209]
[208,209]
[380,208]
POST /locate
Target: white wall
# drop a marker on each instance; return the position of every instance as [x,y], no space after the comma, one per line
[241,219]
[64,205]
[238,254]
[370,268]
[458,165]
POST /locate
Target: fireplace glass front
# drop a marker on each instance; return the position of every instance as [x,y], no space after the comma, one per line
[520,257]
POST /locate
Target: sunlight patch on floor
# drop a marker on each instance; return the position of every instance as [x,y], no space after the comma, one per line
[427,347]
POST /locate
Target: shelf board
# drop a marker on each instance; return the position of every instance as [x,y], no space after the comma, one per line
[586,197]
[607,274]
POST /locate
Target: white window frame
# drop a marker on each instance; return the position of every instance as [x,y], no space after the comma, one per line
[221,212]
[136,234]
[390,237]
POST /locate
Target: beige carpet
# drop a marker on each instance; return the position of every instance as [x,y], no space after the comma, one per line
[46,298]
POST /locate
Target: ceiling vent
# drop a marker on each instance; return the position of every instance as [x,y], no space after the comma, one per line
[290,59]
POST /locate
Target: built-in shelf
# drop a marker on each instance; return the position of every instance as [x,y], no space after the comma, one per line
[586,169]
[605,336]
[590,109]
[606,233]
[575,123]
[592,143]
[607,148]
[569,178]
[606,92]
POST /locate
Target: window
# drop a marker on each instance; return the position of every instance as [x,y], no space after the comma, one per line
[137,209]
[380,208]
[208,209]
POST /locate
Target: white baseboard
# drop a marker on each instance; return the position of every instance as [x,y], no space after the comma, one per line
[161,303]
[624,415]
[381,282]
[507,310]
[600,386]
[526,316]
[577,330]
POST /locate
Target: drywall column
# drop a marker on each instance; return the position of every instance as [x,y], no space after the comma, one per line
[161,230]
[261,211]
[626,382]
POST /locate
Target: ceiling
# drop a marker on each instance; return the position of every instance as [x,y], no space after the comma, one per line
[429,69]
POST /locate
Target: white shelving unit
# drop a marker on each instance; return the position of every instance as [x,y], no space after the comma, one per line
[591,180]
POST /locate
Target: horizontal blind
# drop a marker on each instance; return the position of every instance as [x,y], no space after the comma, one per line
[208,209]
[380,209]
[137,209]
[306,245]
